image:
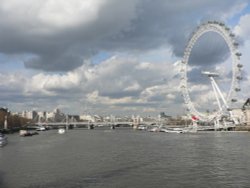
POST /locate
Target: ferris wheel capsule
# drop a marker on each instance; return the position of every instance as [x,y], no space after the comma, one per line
[239,65]
[232,35]
[236,44]
[234,100]
[239,77]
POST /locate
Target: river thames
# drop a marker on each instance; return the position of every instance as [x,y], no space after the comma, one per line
[123,158]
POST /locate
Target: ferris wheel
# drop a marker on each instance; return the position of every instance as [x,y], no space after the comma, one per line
[224,102]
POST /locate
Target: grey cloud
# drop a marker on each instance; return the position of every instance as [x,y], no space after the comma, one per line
[55,63]
[209,50]
[121,26]
[157,98]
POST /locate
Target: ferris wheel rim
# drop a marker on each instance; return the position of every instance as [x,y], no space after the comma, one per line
[229,39]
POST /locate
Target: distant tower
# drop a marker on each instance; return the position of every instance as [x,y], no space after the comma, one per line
[5,123]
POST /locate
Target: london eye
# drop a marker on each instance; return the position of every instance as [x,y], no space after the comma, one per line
[222,99]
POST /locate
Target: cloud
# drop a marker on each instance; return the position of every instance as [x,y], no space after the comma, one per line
[94,98]
[61,35]
[61,14]
[56,63]
[243,28]
[11,87]
[116,84]
[50,15]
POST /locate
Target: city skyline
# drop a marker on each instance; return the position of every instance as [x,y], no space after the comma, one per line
[110,57]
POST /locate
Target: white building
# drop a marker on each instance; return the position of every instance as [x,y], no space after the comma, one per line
[55,116]
[87,117]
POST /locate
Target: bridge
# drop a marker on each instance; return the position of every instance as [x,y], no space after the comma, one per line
[135,123]
[112,125]
[91,125]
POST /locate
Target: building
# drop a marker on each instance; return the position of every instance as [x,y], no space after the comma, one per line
[55,116]
[5,110]
[246,112]
[87,118]
[238,114]
[42,116]
[29,114]
[73,118]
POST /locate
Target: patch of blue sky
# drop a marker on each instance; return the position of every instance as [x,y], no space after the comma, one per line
[100,57]
[15,63]
[12,67]
[158,56]
[10,64]
[154,56]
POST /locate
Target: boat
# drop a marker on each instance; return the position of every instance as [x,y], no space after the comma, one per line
[61,130]
[172,130]
[142,127]
[41,128]
[154,129]
[27,133]
[3,140]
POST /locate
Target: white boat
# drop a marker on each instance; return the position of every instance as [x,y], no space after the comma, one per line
[3,140]
[142,127]
[61,131]
[180,130]
[154,129]
[172,130]
[40,128]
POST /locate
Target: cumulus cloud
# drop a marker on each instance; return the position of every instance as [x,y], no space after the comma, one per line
[243,28]
[116,84]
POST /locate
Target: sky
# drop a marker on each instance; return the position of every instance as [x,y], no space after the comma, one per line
[115,57]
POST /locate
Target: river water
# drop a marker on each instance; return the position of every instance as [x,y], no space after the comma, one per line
[123,158]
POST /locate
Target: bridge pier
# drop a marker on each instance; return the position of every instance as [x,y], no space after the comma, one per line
[136,122]
[90,126]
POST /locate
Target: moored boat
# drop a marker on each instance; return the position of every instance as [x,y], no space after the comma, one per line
[41,128]
[154,129]
[142,127]
[27,133]
[172,130]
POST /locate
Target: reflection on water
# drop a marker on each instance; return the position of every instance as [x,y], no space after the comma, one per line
[126,158]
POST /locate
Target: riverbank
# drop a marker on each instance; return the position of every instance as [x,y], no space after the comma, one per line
[242,128]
